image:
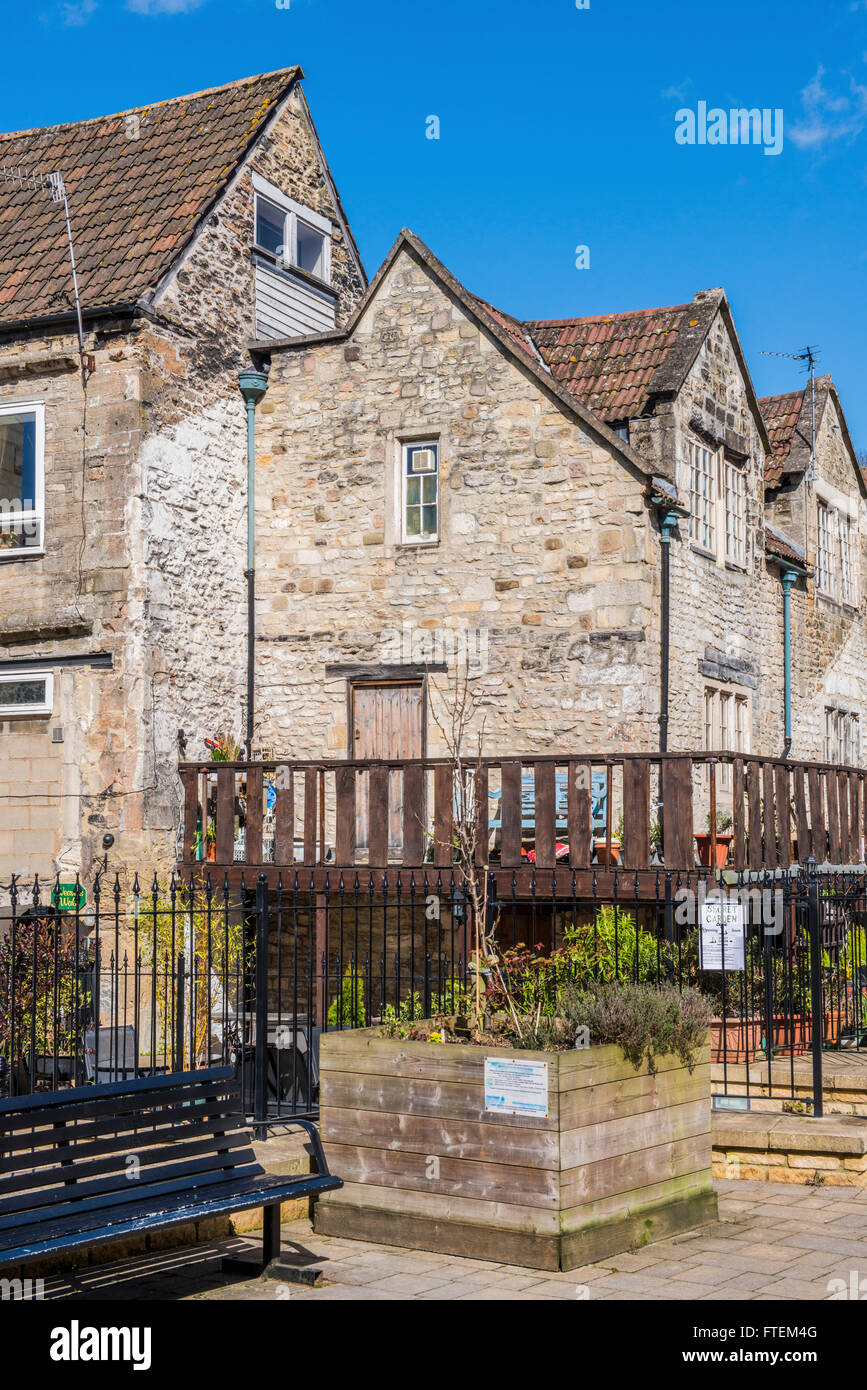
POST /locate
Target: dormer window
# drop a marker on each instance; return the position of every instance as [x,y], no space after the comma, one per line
[293,236]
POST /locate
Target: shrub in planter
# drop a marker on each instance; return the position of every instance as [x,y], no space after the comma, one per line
[615,1149]
[44,998]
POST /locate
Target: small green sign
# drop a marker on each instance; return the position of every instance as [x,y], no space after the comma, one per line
[66,897]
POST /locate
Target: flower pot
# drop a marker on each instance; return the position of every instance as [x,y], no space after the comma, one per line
[735,1039]
[211,852]
[703,845]
[605,857]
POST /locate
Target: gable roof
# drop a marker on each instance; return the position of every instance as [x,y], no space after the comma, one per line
[507,331]
[788,418]
[621,364]
[613,361]
[139,182]
[781,415]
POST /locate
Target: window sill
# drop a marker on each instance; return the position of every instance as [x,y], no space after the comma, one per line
[419,545]
[705,554]
[31,553]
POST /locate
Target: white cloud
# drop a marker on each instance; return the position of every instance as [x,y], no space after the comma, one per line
[77,12]
[829,116]
[677,93]
[162,6]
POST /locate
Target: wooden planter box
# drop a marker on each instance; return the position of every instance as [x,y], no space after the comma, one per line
[622,1157]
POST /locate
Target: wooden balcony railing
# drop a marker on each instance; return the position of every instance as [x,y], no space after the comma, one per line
[626,810]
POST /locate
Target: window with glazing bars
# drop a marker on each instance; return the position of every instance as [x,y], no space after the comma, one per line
[702,493]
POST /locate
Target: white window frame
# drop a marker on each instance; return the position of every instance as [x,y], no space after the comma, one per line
[842,743]
[37,515]
[826,557]
[726,707]
[703,500]
[405,446]
[717,505]
[735,513]
[293,213]
[848,577]
[27,711]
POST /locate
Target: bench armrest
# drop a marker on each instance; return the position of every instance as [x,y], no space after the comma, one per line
[315,1142]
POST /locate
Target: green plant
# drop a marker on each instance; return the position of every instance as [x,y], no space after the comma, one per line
[225,748]
[645,1021]
[612,947]
[45,996]
[655,835]
[723,822]
[347,1010]
[211,943]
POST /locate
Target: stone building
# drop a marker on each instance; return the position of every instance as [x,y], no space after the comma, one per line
[815,505]
[197,223]
[437,480]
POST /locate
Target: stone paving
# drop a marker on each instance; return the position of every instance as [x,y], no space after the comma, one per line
[775,1241]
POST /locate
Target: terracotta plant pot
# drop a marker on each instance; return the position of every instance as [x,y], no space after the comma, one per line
[703,844]
[602,853]
[735,1039]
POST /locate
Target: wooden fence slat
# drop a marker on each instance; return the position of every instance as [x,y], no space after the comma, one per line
[510,813]
[845,817]
[817,814]
[444,854]
[310,817]
[191,812]
[830,781]
[636,813]
[801,825]
[483,814]
[344,783]
[413,814]
[543,780]
[784,815]
[755,815]
[678,840]
[855,790]
[769,818]
[578,815]
[378,817]
[284,816]
[253,837]
[738,819]
[225,848]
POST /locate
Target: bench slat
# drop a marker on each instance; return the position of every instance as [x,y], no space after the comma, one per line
[104,1105]
[58,1100]
[103,1136]
[104,1200]
[206,1150]
[71,1232]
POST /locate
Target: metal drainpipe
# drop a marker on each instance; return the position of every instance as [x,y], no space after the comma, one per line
[667,523]
[788,578]
[252,386]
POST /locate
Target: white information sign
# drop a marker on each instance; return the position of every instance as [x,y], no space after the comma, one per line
[516,1087]
[721,941]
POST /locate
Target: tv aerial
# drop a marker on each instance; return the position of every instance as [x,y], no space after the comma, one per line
[809,356]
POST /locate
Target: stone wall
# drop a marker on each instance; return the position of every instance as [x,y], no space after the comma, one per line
[543,552]
[829,644]
[154,515]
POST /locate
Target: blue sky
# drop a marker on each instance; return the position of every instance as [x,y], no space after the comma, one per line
[557,130]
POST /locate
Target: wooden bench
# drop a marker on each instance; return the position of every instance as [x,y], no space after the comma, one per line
[97,1163]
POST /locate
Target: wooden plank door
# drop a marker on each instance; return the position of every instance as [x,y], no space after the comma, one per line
[387,722]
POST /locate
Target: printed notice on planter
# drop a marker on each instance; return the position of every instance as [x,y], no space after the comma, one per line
[516,1087]
[721,935]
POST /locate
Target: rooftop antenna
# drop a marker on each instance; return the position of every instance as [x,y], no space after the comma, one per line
[53,183]
[810,356]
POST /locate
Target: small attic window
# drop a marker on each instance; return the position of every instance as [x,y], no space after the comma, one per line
[294,236]
[622,428]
